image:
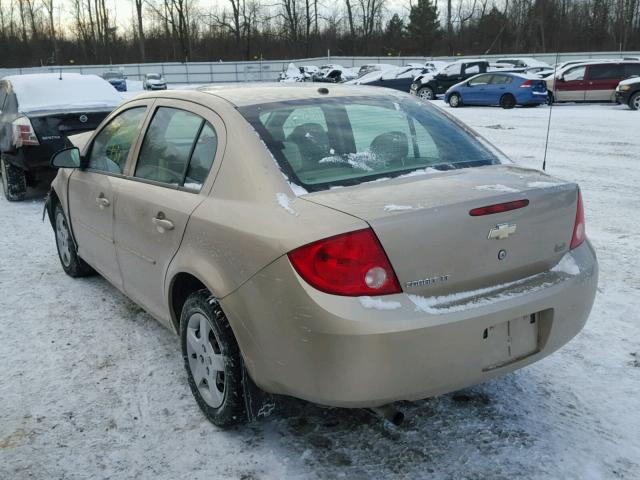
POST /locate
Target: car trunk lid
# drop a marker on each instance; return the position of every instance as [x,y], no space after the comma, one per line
[52,129]
[435,246]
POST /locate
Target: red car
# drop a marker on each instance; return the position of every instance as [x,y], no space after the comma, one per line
[590,82]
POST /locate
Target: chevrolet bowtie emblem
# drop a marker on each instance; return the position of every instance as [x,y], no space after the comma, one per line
[502,231]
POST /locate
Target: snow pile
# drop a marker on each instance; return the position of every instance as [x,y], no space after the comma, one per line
[285,202]
[365,160]
[567,264]
[496,188]
[41,92]
[378,304]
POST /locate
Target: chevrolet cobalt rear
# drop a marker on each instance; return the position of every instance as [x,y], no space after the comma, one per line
[350,247]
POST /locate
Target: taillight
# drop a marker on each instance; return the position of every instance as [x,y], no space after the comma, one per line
[498,208]
[579,228]
[350,264]
[23,133]
[526,84]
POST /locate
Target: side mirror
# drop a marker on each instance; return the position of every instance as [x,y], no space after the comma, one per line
[561,79]
[67,158]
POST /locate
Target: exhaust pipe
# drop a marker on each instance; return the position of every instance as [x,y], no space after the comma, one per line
[388,413]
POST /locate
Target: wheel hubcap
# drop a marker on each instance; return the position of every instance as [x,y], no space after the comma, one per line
[636,102]
[206,361]
[454,101]
[62,239]
[426,94]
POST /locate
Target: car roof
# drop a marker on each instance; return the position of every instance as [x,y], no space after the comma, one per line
[245,94]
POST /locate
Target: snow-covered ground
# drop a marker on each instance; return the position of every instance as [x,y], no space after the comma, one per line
[92,387]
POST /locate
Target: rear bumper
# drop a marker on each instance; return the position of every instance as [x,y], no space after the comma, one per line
[31,158]
[622,97]
[341,351]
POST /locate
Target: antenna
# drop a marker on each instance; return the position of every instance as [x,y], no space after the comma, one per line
[546,143]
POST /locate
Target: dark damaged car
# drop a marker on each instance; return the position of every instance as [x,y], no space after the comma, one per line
[38,113]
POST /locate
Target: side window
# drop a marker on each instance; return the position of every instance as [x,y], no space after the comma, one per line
[500,80]
[111,146]
[480,80]
[170,142]
[605,72]
[453,69]
[576,73]
[202,158]
[471,69]
[632,70]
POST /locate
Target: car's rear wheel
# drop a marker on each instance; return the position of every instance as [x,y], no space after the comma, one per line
[71,263]
[426,93]
[455,101]
[212,359]
[507,101]
[634,101]
[14,181]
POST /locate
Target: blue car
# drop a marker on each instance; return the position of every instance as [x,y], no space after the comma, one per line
[498,88]
[117,80]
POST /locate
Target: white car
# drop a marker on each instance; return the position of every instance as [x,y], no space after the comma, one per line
[154,81]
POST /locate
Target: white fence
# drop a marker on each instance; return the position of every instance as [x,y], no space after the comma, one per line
[268,70]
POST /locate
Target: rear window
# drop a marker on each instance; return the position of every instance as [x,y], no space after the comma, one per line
[325,143]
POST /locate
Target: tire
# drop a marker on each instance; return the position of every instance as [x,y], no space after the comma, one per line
[71,263]
[455,100]
[14,181]
[634,101]
[426,93]
[550,98]
[507,101]
[212,358]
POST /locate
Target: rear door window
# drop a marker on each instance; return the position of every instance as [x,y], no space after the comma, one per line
[605,71]
[173,139]
[480,80]
[500,80]
[111,146]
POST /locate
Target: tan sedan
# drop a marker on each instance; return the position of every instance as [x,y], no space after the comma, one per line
[351,247]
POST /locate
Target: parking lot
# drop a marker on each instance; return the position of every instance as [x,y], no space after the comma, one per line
[92,386]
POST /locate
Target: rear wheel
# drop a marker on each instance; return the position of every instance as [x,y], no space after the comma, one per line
[14,181]
[455,100]
[550,98]
[71,263]
[507,101]
[212,359]
[426,93]
[634,101]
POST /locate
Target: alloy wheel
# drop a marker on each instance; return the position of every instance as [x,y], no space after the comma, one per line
[426,94]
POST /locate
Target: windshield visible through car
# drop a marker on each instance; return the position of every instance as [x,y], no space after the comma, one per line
[111,75]
[323,143]
[153,76]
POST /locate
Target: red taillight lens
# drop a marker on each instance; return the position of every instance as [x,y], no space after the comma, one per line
[579,228]
[498,208]
[526,84]
[351,264]
[23,133]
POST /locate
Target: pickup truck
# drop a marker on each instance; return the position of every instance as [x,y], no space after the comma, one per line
[429,85]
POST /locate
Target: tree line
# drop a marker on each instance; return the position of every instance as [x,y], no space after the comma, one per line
[51,32]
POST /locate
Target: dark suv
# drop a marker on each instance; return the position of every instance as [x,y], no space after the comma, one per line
[428,86]
[37,113]
[628,92]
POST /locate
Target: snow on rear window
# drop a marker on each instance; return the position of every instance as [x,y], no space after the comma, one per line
[46,92]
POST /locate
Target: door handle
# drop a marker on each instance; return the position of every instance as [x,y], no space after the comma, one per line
[102,201]
[162,223]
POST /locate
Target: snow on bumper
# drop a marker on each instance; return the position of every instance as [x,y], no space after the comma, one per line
[350,352]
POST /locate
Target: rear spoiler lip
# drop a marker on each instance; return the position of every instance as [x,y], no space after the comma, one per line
[75,110]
